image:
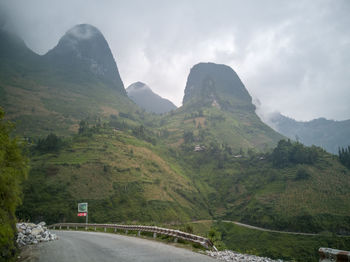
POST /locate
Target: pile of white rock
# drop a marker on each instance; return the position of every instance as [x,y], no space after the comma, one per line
[29,233]
[231,256]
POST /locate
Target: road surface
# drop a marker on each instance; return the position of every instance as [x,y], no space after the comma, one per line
[77,246]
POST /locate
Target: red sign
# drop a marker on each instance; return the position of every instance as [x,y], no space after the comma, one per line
[82,214]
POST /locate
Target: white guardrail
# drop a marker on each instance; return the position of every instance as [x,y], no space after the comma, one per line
[177,234]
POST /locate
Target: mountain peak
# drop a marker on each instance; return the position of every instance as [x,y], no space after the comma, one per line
[210,84]
[138,86]
[144,97]
[83,48]
[83,32]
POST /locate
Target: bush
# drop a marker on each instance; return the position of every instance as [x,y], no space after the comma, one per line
[287,153]
[51,143]
[13,170]
[302,174]
[344,156]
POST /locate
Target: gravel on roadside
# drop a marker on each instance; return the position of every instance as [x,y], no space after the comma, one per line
[231,256]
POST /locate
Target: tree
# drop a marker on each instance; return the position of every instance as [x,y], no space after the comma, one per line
[188,137]
[287,153]
[344,156]
[280,155]
[83,127]
[51,143]
[302,174]
[13,170]
[139,131]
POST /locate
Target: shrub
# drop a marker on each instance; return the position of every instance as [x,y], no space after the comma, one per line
[13,170]
[302,174]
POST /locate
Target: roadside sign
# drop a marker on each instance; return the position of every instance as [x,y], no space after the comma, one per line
[83,210]
[82,207]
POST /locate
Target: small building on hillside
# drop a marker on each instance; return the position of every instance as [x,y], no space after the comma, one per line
[198,148]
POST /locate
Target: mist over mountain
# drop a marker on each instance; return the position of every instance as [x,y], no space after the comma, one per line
[328,134]
[15,55]
[144,97]
[218,85]
[11,46]
[84,48]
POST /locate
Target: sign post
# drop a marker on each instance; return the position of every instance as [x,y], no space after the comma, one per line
[83,210]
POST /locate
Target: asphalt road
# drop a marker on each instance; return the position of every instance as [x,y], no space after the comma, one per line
[76,246]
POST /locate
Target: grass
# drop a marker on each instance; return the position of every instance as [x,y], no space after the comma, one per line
[119,175]
[237,129]
[277,245]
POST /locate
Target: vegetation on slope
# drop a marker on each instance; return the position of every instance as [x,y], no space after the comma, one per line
[328,134]
[301,196]
[239,130]
[128,172]
[344,156]
[300,248]
[13,170]
[123,178]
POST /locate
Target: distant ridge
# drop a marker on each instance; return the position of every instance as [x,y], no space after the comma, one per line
[328,134]
[144,97]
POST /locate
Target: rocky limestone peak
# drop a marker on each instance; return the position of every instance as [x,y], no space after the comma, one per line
[83,47]
[138,87]
[216,85]
[144,97]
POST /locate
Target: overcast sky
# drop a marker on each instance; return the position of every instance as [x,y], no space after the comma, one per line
[292,56]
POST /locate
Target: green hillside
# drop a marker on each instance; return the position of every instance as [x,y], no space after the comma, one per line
[304,197]
[206,125]
[131,168]
[122,177]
